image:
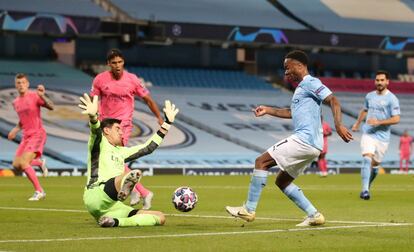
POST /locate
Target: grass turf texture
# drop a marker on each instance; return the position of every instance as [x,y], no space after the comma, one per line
[337,197]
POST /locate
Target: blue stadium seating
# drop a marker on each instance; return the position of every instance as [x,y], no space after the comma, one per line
[66,7]
[229,12]
[188,77]
[324,18]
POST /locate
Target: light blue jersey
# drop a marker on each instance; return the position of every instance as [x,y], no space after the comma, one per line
[306,110]
[380,107]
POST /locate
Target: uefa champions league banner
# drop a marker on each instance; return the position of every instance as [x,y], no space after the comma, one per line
[285,36]
[48,23]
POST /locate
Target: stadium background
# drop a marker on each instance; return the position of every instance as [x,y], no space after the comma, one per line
[216,60]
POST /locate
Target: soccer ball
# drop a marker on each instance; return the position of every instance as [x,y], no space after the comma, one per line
[184,199]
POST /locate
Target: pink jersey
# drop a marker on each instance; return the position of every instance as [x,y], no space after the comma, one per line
[405,145]
[117,96]
[327,131]
[28,110]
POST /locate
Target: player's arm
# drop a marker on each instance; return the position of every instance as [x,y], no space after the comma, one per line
[361,116]
[13,132]
[132,153]
[90,108]
[390,121]
[95,89]
[342,131]
[394,107]
[278,112]
[41,91]
[152,105]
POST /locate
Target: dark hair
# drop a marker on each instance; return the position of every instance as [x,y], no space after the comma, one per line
[299,56]
[386,73]
[108,122]
[114,52]
[21,76]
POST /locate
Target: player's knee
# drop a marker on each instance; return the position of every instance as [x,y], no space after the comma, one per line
[259,164]
[24,164]
[375,163]
[16,164]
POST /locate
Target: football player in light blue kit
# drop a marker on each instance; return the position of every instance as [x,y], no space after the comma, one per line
[382,110]
[294,153]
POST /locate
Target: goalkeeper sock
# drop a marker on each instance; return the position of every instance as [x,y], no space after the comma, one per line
[258,181]
[296,195]
[141,220]
[366,173]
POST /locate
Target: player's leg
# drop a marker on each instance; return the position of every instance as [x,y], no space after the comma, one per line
[407,163]
[374,172]
[368,148]
[25,161]
[285,183]
[292,159]
[257,183]
[126,182]
[41,163]
[112,213]
[139,190]
[322,164]
[139,218]
[380,149]
[18,156]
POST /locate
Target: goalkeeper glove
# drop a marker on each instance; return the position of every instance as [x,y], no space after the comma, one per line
[89,107]
[170,111]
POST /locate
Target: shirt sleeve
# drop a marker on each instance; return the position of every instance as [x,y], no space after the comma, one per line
[140,89]
[135,152]
[366,104]
[319,89]
[95,89]
[95,133]
[395,106]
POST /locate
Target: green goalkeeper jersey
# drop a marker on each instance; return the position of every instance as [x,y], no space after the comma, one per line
[106,161]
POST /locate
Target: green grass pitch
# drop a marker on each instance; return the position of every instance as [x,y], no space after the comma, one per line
[60,223]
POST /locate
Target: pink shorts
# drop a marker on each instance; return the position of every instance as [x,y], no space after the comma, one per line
[32,143]
[405,156]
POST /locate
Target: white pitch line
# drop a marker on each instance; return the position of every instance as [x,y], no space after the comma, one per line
[206,216]
[197,234]
[43,209]
[288,219]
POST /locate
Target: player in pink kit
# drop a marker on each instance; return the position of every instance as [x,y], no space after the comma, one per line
[27,106]
[117,89]
[405,150]
[323,166]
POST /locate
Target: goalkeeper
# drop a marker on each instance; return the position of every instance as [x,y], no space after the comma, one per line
[107,183]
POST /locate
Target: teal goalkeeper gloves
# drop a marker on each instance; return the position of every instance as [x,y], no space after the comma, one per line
[89,107]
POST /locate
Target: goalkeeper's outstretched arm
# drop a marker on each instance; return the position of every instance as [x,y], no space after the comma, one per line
[132,153]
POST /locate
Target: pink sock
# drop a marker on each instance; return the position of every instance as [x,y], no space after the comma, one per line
[31,175]
[36,162]
[321,165]
[141,189]
[325,165]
